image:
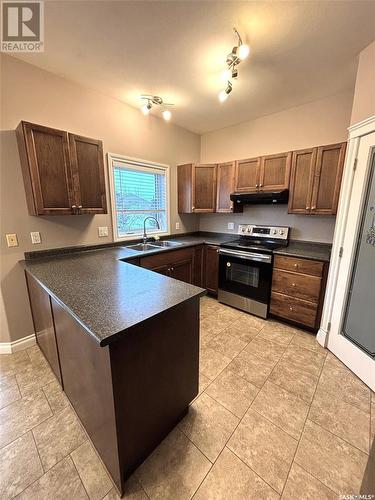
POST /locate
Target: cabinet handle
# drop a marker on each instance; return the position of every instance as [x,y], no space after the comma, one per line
[260,185]
[293,284]
[295,265]
[74,207]
[256,185]
[313,207]
[307,208]
[217,251]
[193,208]
[171,269]
[291,308]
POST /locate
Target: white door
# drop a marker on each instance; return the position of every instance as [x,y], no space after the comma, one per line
[351,334]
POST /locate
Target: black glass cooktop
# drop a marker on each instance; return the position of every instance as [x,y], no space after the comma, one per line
[254,244]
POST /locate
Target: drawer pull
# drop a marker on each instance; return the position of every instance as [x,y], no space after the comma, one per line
[291,308]
[293,284]
[295,265]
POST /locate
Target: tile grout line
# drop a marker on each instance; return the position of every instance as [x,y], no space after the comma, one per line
[302,431]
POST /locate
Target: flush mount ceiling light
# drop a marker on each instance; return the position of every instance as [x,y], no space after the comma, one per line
[238,54]
[151,100]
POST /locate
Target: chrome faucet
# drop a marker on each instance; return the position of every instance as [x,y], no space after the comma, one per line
[144,228]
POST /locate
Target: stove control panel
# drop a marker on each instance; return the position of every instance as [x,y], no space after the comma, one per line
[270,232]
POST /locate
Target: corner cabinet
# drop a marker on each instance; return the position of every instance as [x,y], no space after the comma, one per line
[63,173]
[316,180]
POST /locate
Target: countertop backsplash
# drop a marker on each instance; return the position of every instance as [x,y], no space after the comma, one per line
[303,227]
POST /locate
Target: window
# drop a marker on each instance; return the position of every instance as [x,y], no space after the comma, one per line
[139,189]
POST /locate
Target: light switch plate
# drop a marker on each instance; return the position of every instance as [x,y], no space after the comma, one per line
[177,225]
[103,231]
[35,237]
[12,240]
[230,225]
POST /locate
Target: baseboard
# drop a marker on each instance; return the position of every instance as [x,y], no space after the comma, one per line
[321,337]
[17,345]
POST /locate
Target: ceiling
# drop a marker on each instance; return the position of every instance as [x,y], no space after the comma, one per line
[300,51]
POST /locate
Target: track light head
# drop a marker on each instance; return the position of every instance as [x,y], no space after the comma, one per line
[146,108]
[223,94]
[167,115]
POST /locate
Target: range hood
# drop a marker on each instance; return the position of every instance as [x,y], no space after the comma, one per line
[260,198]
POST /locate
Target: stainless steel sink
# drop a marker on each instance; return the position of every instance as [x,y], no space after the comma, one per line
[166,243]
[142,247]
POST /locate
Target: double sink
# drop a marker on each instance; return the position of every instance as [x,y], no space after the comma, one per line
[144,247]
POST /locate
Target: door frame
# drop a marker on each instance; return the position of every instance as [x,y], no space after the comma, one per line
[349,212]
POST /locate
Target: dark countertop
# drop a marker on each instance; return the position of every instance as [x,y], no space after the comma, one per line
[108,296]
[307,250]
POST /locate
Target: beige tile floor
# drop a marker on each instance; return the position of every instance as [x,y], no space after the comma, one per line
[277,416]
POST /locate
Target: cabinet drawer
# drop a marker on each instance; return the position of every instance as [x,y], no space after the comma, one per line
[165,258]
[299,285]
[293,309]
[304,266]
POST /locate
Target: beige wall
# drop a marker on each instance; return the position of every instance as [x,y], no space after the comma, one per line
[319,122]
[364,94]
[31,94]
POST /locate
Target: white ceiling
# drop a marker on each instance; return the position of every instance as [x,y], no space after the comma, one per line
[300,51]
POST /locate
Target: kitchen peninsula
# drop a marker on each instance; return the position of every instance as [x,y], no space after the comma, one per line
[123,342]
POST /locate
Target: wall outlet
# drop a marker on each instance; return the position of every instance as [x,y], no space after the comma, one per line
[177,225]
[12,240]
[103,231]
[230,225]
[35,237]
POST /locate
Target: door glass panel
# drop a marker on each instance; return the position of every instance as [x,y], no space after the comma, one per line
[359,323]
[243,274]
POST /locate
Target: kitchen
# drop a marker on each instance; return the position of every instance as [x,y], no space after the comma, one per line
[238,375]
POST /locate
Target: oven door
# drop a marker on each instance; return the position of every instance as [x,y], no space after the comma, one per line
[248,274]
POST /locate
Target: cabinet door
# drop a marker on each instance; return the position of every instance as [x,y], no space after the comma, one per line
[182,270]
[198,265]
[247,175]
[327,180]
[301,182]
[184,188]
[211,268]
[41,310]
[44,154]
[204,188]
[225,186]
[275,172]
[88,174]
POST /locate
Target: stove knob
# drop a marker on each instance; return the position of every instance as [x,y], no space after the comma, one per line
[281,231]
[243,229]
[274,231]
[249,229]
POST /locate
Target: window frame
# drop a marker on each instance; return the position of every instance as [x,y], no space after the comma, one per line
[143,165]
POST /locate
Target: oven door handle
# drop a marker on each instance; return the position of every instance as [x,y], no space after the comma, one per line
[258,257]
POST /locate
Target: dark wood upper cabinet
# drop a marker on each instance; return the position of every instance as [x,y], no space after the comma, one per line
[225,186]
[275,172]
[88,174]
[204,188]
[62,172]
[302,178]
[247,175]
[46,169]
[316,180]
[327,179]
[196,188]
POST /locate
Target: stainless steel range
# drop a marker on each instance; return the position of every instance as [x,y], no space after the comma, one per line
[245,267]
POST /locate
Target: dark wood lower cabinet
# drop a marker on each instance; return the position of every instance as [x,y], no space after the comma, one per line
[211,268]
[298,287]
[40,304]
[178,264]
[131,393]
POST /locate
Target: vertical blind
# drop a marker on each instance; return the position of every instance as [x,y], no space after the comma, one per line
[139,191]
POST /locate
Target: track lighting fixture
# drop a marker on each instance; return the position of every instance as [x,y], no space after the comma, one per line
[158,101]
[238,54]
[223,94]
